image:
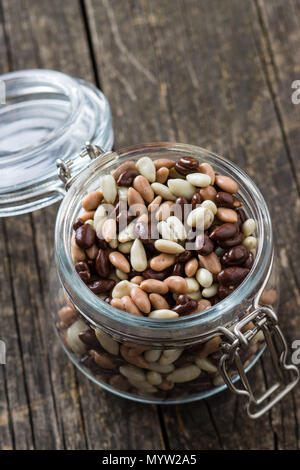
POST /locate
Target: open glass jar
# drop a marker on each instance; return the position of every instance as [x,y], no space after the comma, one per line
[45,120]
[182,359]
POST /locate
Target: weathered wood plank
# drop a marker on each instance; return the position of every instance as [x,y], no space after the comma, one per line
[217,96]
[62,409]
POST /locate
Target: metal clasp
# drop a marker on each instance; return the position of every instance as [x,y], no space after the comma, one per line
[265,320]
[67,170]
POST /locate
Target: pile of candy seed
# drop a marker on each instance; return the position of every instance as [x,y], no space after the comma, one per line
[163,238]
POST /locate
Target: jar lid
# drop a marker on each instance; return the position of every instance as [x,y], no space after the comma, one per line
[45,116]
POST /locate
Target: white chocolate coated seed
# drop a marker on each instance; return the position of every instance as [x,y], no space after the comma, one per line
[184,374]
[138,257]
[206,364]
[195,295]
[192,285]
[165,231]
[133,373]
[210,291]
[169,356]
[163,191]
[163,314]
[123,193]
[248,227]
[154,378]
[181,187]
[204,277]
[250,242]
[161,369]
[146,168]
[177,227]
[168,246]
[121,275]
[109,188]
[208,204]
[73,339]
[199,179]
[106,341]
[121,289]
[125,247]
[201,217]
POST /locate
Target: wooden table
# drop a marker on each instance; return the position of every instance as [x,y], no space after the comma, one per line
[216,74]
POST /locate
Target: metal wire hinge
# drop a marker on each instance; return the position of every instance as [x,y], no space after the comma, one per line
[66,170]
[265,320]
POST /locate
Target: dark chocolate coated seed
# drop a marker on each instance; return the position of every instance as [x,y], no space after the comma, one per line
[185,256]
[102,264]
[224,232]
[89,338]
[196,199]
[204,245]
[126,178]
[77,223]
[185,308]
[108,300]
[249,261]
[232,276]
[224,291]
[237,240]
[85,236]
[179,209]
[224,199]
[81,266]
[242,217]
[150,274]
[236,256]
[186,165]
[101,286]
[178,270]
[183,299]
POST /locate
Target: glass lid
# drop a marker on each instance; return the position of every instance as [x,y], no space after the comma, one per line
[45,116]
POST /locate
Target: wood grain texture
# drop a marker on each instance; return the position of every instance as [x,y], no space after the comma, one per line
[209,62]
[214,74]
[44,403]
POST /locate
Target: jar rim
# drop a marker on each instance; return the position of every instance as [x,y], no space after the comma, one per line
[187,326]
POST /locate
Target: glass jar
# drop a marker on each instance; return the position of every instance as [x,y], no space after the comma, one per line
[46,118]
[178,360]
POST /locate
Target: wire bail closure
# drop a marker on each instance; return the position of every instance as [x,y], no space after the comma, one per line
[65,169]
[265,320]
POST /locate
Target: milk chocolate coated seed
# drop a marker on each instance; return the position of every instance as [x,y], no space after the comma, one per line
[208,193]
[191,267]
[101,286]
[162,262]
[140,299]
[141,184]
[127,176]
[130,306]
[109,230]
[119,261]
[164,211]
[227,184]
[232,276]
[227,215]
[85,236]
[176,284]
[162,175]
[187,165]
[154,205]
[92,200]
[237,255]
[163,162]
[68,315]
[154,286]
